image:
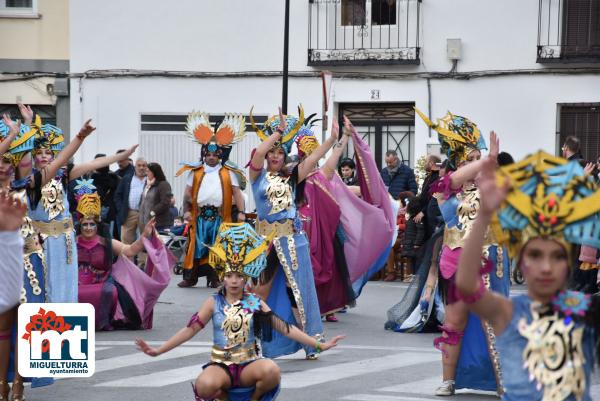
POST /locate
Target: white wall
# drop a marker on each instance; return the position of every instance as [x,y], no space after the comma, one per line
[246,35]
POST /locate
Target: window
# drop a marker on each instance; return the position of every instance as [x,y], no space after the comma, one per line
[354,12]
[383,12]
[19,8]
[583,122]
[582,28]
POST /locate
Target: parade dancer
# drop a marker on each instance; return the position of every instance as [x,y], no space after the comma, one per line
[475,366]
[236,370]
[50,205]
[545,338]
[123,295]
[320,215]
[287,284]
[212,187]
[19,141]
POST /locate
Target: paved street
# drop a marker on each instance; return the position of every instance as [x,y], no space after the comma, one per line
[371,364]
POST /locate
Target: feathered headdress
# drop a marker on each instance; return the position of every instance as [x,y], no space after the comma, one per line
[230,131]
[287,138]
[458,136]
[88,201]
[550,198]
[238,248]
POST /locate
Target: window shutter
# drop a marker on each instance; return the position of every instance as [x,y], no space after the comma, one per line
[582,122]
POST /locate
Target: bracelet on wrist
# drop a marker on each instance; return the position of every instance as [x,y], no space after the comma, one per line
[318,347]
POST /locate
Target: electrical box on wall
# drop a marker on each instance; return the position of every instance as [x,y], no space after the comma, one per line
[453,49]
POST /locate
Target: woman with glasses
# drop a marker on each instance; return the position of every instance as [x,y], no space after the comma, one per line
[123,295]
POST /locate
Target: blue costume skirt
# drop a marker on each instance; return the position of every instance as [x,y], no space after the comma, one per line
[62,283]
[474,369]
[296,273]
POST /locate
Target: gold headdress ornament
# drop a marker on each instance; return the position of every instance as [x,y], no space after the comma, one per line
[551,198]
[287,138]
[458,136]
[89,205]
[238,248]
[47,136]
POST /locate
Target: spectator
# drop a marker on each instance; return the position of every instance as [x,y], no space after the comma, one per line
[156,200]
[414,237]
[397,176]
[173,209]
[421,202]
[125,166]
[106,183]
[504,159]
[127,200]
[346,171]
[571,150]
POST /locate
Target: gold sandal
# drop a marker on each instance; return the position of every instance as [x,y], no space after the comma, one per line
[19,394]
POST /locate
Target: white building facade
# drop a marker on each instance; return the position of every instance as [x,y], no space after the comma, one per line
[530,70]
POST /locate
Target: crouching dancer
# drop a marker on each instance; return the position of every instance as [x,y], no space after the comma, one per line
[240,319]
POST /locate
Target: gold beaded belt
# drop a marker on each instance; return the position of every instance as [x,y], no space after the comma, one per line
[31,245]
[237,355]
[455,238]
[54,228]
[281,229]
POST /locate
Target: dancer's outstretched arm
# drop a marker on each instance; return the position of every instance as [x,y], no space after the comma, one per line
[203,317]
[470,171]
[330,166]
[138,246]
[488,305]
[63,157]
[311,161]
[293,332]
[81,169]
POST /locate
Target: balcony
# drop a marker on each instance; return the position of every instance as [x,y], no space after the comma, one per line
[568,31]
[363,32]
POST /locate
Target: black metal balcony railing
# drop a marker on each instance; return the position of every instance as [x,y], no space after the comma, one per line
[568,31]
[363,32]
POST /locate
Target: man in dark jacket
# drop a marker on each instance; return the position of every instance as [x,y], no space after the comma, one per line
[106,183]
[396,176]
[128,199]
[571,150]
[125,166]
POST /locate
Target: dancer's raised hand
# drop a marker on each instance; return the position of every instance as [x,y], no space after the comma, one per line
[26,113]
[491,194]
[86,130]
[12,212]
[494,145]
[125,155]
[14,128]
[145,348]
[348,127]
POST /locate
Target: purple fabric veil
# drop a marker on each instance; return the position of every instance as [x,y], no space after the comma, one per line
[145,287]
[369,223]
